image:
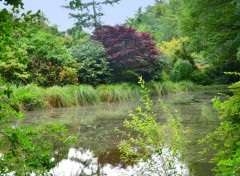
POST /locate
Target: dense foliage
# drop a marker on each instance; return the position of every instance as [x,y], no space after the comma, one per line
[128,50]
[94,66]
[226,138]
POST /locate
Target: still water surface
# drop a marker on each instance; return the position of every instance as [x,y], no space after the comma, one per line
[96,152]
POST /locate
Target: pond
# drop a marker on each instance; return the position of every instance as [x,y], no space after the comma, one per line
[97,153]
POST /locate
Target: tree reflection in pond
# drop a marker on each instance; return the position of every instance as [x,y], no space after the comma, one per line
[84,162]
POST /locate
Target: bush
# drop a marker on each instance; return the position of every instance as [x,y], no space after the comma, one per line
[182,70]
[200,77]
[30,97]
[94,67]
[226,137]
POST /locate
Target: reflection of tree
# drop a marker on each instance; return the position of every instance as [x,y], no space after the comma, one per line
[84,163]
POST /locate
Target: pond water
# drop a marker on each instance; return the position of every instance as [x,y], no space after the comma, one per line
[96,152]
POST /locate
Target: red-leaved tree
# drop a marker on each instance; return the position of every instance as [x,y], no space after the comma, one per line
[128,50]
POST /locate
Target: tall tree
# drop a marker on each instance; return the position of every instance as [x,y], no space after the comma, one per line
[214,29]
[90,12]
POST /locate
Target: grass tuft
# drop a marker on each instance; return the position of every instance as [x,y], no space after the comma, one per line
[58,97]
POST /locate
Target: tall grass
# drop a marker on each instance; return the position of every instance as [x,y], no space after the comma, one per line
[58,97]
[132,91]
[161,88]
[111,93]
[30,97]
[83,95]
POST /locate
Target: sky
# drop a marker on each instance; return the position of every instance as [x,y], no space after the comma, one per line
[58,15]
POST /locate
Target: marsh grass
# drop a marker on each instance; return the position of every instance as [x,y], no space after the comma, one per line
[111,93]
[161,88]
[85,95]
[155,88]
[28,98]
[58,97]
[185,86]
[132,91]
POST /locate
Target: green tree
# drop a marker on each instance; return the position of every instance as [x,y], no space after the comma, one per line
[48,59]
[94,67]
[91,12]
[213,28]
[160,20]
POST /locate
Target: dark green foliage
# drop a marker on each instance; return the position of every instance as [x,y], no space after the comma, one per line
[182,70]
[130,76]
[213,27]
[200,77]
[94,67]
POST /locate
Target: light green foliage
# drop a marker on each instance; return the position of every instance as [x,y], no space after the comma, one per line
[159,20]
[30,97]
[181,71]
[75,37]
[23,149]
[94,67]
[48,56]
[147,136]
[225,139]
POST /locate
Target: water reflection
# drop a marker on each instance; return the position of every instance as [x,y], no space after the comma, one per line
[84,162]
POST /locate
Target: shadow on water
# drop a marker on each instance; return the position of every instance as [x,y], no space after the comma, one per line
[95,127]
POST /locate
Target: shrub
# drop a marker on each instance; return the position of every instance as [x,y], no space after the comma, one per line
[226,137]
[94,66]
[30,97]
[200,77]
[181,71]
